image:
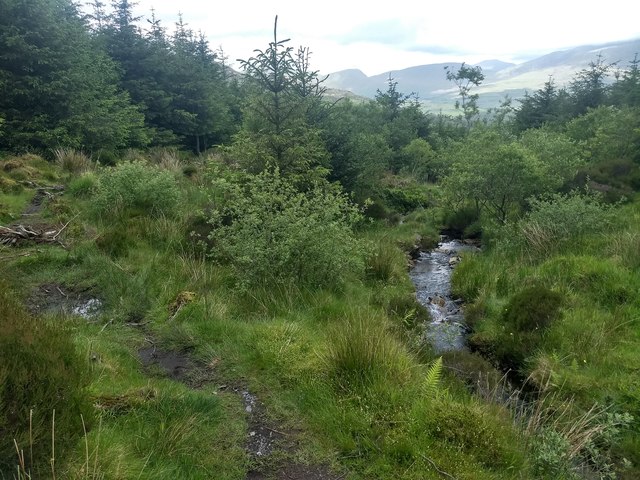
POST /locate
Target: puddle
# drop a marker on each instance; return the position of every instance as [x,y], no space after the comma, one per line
[175,365]
[54,299]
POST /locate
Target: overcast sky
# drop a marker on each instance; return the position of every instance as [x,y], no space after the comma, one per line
[378,36]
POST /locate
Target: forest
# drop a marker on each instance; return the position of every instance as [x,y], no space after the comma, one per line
[205,272]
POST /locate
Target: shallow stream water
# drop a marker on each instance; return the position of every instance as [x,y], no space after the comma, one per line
[432,277]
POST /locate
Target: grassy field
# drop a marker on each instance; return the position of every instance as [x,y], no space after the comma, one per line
[190,376]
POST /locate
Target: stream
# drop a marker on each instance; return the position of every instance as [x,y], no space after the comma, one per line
[431,276]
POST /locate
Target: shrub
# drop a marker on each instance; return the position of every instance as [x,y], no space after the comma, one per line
[136,186]
[557,218]
[462,221]
[407,197]
[470,428]
[40,371]
[270,232]
[376,210]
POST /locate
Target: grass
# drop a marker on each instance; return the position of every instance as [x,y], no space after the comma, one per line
[589,355]
[342,371]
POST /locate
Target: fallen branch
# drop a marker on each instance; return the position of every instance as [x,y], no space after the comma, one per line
[16,234]
[433,464]
[55,237]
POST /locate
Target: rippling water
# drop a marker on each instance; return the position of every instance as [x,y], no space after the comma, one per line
[432,277]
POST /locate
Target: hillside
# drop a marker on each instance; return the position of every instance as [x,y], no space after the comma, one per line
[501,78]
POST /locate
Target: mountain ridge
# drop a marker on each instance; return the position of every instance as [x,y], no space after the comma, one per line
[501,78]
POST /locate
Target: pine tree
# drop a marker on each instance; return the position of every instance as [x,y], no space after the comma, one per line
[59,88]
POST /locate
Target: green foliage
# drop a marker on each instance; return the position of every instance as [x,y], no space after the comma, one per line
[558,156]
[557,219]
[432,379]
[469,427]
[588,87]
[270,232]
[461,221]
[61,88]
[40,372]
[547,106]
[525,319]
[466,78]
[176,81]
[419,160]
[135,186]
[600,279]
[496,173]
[626,89]
[551,455]
[285,102]
[406,197]
[383,261]
[607,133]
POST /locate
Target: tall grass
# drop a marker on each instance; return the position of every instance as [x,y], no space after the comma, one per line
[72,161]
[362,353]
[40,372]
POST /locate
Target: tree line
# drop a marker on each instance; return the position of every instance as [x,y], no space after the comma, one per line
[101,83]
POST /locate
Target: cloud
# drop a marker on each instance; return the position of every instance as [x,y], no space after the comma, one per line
[436,49]
[386,32]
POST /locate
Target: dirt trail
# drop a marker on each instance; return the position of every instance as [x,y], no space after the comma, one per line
[263,436]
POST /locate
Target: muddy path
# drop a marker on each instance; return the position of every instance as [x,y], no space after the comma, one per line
[270,446]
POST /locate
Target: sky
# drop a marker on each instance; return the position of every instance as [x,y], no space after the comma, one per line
[379,36]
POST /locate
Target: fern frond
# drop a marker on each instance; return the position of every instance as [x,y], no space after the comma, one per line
[432,379]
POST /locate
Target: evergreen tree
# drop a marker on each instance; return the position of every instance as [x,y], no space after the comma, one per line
[277,126]
[59,89]
[626,90]
[546,106]
[588,88]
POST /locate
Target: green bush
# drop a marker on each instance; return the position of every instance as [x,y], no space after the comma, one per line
[463,221]
[406,198]
[136,186]
[40,372]
[558,218]
[377,210]
[471,429]
[270,232]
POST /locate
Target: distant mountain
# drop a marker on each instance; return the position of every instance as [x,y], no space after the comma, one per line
[501,78]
